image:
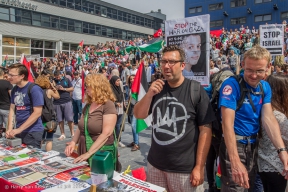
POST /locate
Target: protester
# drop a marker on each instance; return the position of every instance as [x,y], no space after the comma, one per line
[50,92]
[240,127]
[5,93]
[177,157]
[77,97]
[28,112]
[269,164]
[63,106]
[102,117]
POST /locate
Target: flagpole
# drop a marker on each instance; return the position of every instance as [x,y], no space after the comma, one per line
[123,120]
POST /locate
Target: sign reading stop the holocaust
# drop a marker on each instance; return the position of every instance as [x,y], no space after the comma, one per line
[272,38]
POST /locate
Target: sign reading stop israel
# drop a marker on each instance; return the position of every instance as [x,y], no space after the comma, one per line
[272,38]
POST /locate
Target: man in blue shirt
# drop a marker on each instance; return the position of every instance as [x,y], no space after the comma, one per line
[29,124]
[238,149]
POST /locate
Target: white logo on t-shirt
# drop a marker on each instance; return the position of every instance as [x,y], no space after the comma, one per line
[19,99]
[163,123]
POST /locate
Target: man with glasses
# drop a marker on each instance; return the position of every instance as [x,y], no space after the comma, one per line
[28,112]
[181,128]
[238,149]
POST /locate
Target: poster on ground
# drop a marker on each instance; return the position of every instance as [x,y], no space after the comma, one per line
[272,38]
[192,35]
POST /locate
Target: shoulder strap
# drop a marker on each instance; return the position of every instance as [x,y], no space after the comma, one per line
[243,91]
[30,96]
[195,93]
[12,93]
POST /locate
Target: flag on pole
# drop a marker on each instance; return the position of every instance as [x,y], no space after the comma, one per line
[152,46]
[80,44]
[5,61]
[158,33]
[27,64]
[83,85]
[139,89]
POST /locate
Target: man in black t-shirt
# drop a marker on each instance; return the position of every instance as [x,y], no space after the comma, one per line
[5,92]
[181,133]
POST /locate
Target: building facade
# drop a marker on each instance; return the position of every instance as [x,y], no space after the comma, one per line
[232,14]
[47,26]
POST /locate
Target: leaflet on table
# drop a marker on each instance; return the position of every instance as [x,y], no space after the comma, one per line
[69,186]
[14,158]
[7,150]
[42,155]
[29,179]
[18,164]
[15,174]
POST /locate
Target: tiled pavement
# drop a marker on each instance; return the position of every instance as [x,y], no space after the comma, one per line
[135,159]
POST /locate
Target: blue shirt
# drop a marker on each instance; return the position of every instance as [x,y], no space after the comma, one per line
[23,106]
[246,122]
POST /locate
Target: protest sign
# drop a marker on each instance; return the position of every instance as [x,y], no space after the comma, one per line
[192,35]
[272,38]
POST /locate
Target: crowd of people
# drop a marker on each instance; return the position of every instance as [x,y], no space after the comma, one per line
[250,148]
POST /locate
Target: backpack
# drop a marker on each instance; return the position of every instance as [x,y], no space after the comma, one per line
[48,113]
[216,81]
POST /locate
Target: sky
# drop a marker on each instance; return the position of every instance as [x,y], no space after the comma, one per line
[174,9]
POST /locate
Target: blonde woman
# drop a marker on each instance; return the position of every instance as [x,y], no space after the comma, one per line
[102,116]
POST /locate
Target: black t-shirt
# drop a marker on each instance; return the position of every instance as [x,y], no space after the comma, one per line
[64,95]
[5,86]
[175,129]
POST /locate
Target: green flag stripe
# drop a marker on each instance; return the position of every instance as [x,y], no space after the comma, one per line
[140,125]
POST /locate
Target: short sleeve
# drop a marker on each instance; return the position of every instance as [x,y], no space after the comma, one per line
[267,92]
[10,86]
[37,96]
[228,94]
[205,113]
[109,108]
[69,83]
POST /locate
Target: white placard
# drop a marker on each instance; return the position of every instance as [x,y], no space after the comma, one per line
[136,184]
[272,38]
[98,178]
[192,34]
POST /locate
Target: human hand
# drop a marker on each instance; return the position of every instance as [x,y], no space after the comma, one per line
[197,176]
[284,158]
[240,174]
[69,149]
[7,133]
[82,158]
[156,87]
[14,132]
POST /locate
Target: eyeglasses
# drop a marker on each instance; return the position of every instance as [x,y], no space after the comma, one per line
[170,62]
[11,75]
[258,72]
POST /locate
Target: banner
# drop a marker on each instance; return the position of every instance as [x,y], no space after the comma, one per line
[272,38]
[192,35]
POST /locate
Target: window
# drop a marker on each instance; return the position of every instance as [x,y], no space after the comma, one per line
[78,26]
[71,25]
[284,15]
[103,11]
[55,22]
[22,42]
[36,43]
[85,27]
[36,19]
[65,46]
[71,4]
[238,3]
[235,21]
[104,31]
[50,45]
[120,15]
[260,18]
[195,9]
[78,4]
[62,3]
[109,32]
[98,30]
[216,6]
[262,1]
[217,23]
[45,20]
[63,24]
[4,14]
[91,8]
[92,29]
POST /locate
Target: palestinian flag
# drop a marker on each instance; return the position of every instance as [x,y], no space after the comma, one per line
[27,64]
[158,33]
[152,46]
[83,86]
[139,89]
[5,61]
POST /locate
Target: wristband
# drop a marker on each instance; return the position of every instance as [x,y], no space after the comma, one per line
[281,149]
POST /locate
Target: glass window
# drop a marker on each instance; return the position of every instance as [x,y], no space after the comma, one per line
[115,33]
[45,20]
[62,3]
[70,4]
[37,51]
[104,31]
[284,15]
[199,9]
[195,9]
[192,10]
[92,29]
[63,24]
[36,19]
[8,41]
[78,4]
[65,46]
[49,53]
[262,1]
[50,45]
[236,21]
[97,9]
[109,32]
[73,47]
[237,3]
[36,43]
[120,17]
[26,14]
[124,35]
[55,22]
[114,14]
[85,6]
[71,25]
[258,18]
[98,30]
[133,19]
[124,16]
[85,27]
[26,21]
[103,11]
[22,42]
[7,50]
[78,26]
[266,17]
[216,6]
[91,8]
[4,14]
[20,50]
[217,23]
